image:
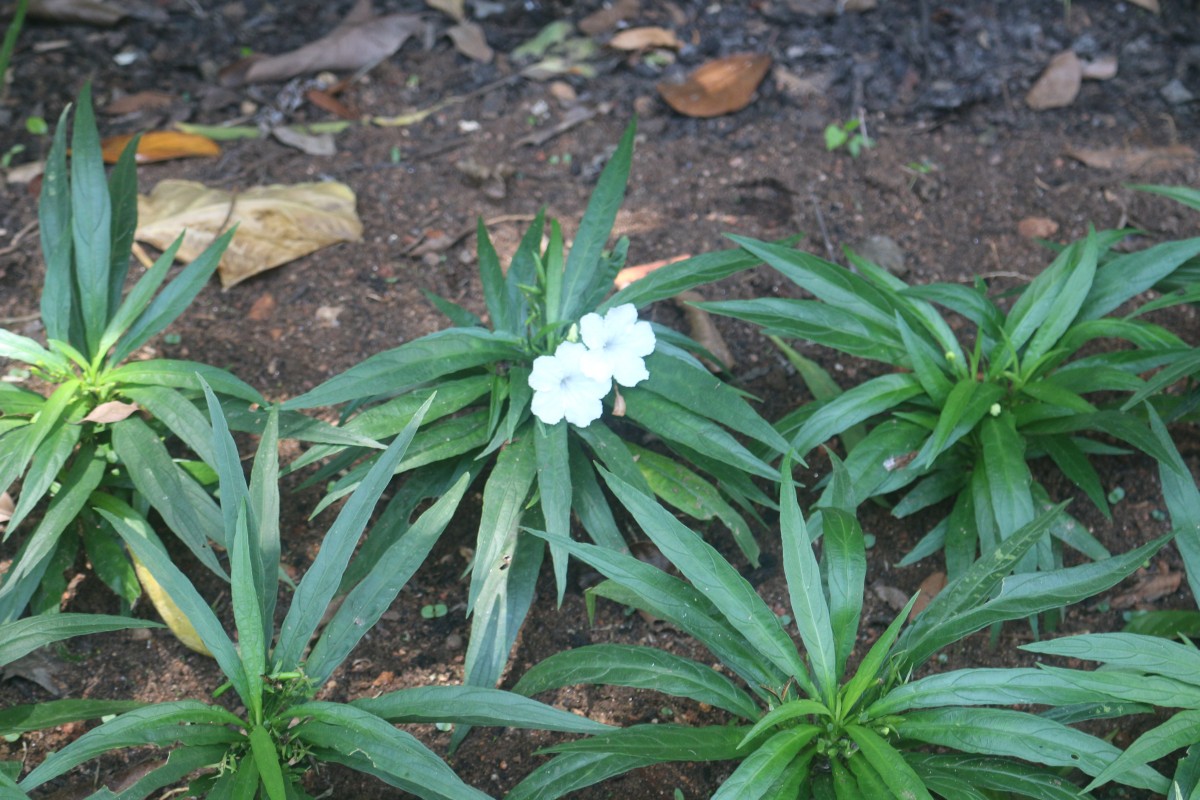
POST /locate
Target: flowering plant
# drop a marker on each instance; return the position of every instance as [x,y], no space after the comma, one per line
[532,397]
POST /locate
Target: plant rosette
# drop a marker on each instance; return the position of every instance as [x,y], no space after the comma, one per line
[266,748]
[100,431]
[805,725]
[961,419]
[563,375]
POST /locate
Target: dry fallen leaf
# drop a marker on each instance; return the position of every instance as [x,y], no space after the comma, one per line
[276,224]
[318,144]
[607,18]
[89,12]
[1037,227]
[138,101]
[636,273]
[718,87]
[929,589]
[41,667]
[112,411]
[1150,587]
[362,39]
[1149,5]
[7,507]
[161,146]
[469,40]
[1103,68]
[1059,84]
[893,596]
[703,331]
[262,309]
[645,39]
[1147,161]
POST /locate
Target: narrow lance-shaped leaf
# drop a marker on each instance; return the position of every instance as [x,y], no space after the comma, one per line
[54,223]
[91,225]
[320,583]
[554,490]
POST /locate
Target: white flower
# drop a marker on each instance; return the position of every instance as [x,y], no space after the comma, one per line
[616,344]
[562,390]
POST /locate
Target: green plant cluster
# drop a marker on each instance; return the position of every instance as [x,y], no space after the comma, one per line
[580,422]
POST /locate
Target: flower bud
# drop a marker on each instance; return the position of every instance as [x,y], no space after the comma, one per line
[994,410]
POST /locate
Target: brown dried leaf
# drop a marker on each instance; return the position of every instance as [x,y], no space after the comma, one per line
[703,331]
[262,309]
[276,224]
[631,274]
[313,144]
[645,39]
[139,101]
[7,506]
[607,18]
[1147,161]
[894,597]
[161,146]
[362,39]
[718,87]
[1150,587]
[929,589]
[1101,69]
[1037,227]
[40,667]
[1149,5]
[112,411]
[89,12]
[1059,84]
[469,40]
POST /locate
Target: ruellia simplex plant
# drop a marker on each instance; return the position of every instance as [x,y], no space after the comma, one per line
[565,374]
[266,749]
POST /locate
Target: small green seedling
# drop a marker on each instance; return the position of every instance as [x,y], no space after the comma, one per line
[847,135]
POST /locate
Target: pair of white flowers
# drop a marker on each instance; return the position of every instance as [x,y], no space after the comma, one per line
[571,383]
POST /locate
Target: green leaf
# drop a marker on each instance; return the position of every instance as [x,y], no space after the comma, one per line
[1003,732]
[523,270]
[459,317]
[845,572]
[1182,498]
[1066,303]
[853,406]
[180,763]
[122,189]
[925,359]
[1126,651]
[247,616]
[790,710]
[757,774]
[1069,458]
[91,224]
[23,576]
[44,468]
[1006,686]
[965,405]
[663,742]
[676,423]
[266,758]
[58,305]
[26,635]
[614,453]
[173,299]
[1181,194]
[15,720]
[807,598]
[822,323]
[491,277]
[190,603]
[505,494]
[686,491]
[188,510]
[109,561]
[581,274]
[184,375]
[425,359]
[475,705]
[589,502]
[157,724]
[15,347]
[178,414]
[554,490]
[1009,479]
[1135,686]
[370,598]
[139,296]
[395,755]
[995,774]
[318,586]
[24,446]
[889,763]
[1127,276]
[640,668]
[552,267]
[1166,624]
[680,276]
[871,669]
[704,566]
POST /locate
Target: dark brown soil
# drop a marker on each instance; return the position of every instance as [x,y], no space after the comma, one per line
[959,161]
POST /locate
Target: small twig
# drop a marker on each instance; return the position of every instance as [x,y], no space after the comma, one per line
[821,225]
[16,240]
[19,319]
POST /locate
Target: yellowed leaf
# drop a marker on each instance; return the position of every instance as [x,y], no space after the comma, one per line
[644,39]
[112,411]
[721,86]
[160,146]
[451,8]
[179,624]
[276,224]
